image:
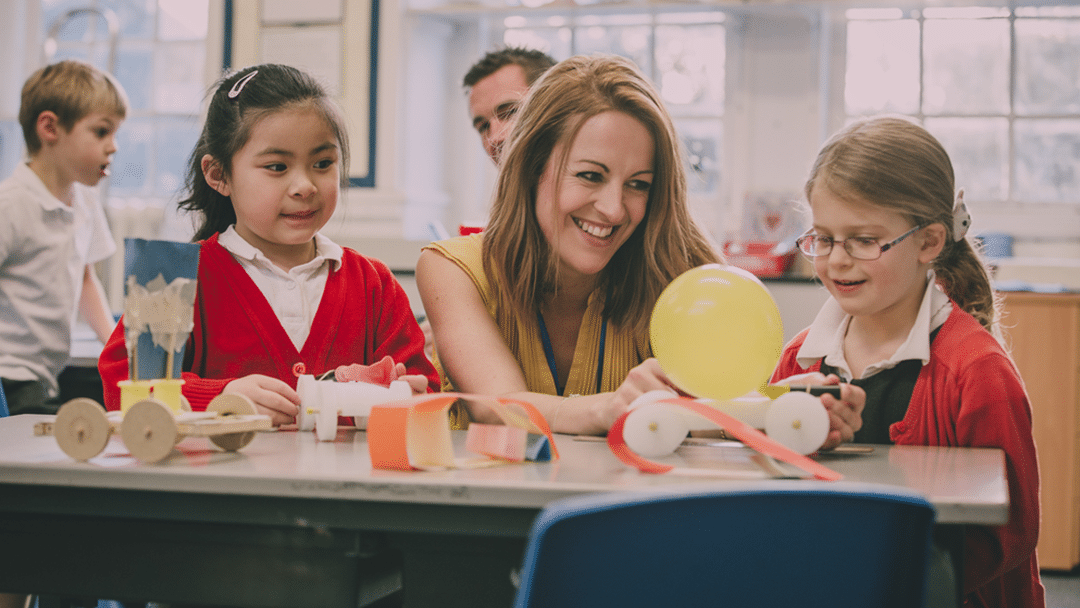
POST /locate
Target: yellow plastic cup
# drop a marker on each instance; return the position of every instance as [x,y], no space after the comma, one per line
[132,392]
[168,392]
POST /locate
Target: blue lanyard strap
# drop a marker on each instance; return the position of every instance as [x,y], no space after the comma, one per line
[549,353]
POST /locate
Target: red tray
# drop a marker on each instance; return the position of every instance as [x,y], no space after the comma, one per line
[758,258]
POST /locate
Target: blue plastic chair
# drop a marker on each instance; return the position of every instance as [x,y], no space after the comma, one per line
[765,544]
[3,404]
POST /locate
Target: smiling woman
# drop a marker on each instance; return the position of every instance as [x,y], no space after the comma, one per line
[589,224]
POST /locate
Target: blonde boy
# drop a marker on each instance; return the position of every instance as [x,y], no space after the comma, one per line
[53,228]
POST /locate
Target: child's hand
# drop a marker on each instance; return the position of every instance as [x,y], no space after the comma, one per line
[271,397]
[845,413]
[417,382]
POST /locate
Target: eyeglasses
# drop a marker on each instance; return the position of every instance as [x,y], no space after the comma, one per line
[858,247]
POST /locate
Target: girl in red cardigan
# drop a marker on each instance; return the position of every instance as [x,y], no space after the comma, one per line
[272,290]
[912,321]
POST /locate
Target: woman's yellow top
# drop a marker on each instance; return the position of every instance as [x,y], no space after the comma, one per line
[622,349]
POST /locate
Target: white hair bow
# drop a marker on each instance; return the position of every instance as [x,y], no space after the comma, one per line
[961,217]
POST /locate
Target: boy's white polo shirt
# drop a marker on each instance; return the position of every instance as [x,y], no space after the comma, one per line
[294,295]
[45,247]
[826,335]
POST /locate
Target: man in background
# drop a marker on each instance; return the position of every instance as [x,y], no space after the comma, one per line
[496,84]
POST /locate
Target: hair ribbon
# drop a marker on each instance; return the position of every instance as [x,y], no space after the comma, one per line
[239,86]
[961,217]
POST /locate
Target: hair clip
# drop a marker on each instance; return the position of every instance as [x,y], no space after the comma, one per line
[961,217]
[239,86]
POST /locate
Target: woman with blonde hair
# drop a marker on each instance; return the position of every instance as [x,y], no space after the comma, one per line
[551,303]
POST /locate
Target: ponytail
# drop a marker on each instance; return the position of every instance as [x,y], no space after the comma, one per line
[963,276]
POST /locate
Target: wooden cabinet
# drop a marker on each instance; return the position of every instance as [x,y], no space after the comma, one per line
[1044,333]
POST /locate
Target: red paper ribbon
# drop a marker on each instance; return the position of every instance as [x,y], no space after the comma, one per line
[745,433]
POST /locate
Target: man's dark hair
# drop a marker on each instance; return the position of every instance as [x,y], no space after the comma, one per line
[534,63]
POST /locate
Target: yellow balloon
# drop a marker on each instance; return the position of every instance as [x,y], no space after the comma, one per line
[716,331]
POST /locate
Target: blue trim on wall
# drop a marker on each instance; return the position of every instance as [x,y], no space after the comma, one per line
[226,54]
[359,182]
[369,180]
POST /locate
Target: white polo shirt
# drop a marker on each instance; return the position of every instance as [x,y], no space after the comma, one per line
[45,246]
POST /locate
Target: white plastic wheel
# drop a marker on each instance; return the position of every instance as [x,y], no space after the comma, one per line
[798,421]
[310,400]
[654,430]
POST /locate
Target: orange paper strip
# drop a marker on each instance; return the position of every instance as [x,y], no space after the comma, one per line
[409,435]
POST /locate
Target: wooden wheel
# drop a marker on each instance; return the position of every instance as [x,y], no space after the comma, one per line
[149,430]
[81,428]
[228,405]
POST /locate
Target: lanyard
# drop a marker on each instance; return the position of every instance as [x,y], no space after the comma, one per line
[549,352]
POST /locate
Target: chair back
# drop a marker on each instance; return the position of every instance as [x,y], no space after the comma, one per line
[760,544]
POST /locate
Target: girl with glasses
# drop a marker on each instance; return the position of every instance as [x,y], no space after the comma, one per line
[912,320]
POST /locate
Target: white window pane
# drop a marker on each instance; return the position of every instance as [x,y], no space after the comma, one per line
[176,138]
[77,28]
[1047,160]
[318,49]
[11,146]
[967,66]
[286,12]
[131,164]
[882,67]
[631,42]
[553,41]
[184,19]
[1047,67]
[702,142]
[874,13]
[609,19]
[687,18]
[135,71]
[690,68]
[96,54]
[178,84]
[1048,11]
[136,17]
[963,12]
[978,148]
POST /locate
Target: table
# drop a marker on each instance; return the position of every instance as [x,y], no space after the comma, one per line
[290,521]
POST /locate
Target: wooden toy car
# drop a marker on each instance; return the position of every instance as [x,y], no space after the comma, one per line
[150,428]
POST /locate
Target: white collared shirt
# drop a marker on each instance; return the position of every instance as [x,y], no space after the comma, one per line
[45,247]
[294,295]
[826,335]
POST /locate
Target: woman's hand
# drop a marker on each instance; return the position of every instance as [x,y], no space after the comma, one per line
[271,397]
[646,376]
[417,382]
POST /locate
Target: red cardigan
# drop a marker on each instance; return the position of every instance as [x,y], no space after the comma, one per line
[970,394]
[363,316]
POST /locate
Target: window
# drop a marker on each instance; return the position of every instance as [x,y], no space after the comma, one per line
[682,49]
[682,52]
[997,86]
[160,61]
